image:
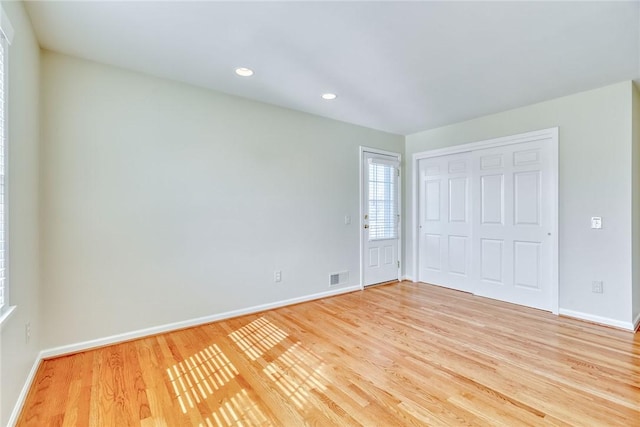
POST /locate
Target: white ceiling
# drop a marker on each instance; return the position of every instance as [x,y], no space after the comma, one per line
[401,67]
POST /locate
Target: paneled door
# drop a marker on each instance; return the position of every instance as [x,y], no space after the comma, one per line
[488,219]
[513,223]
[381,218]
[445,221]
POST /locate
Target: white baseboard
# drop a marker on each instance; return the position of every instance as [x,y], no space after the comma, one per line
[636,322]
[407,278]
[13,419]
[127,336]
[598,319]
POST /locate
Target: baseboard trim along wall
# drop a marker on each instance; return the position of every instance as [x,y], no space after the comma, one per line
[13,419]
[128,336]
[636,322]
[629,326]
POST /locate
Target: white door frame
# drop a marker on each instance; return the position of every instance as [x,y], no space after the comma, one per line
[364,149]
[552,134]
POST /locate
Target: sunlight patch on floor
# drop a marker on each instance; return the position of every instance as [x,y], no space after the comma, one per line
[296,372]
[239,410]
[257,337]
[199,376]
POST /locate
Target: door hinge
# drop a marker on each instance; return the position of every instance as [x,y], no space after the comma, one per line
[398,171]
[398,264]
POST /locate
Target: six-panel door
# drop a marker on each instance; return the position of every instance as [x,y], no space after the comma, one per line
[513,224]
[445,221]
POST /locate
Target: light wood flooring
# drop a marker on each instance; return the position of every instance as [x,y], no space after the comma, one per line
[394,355]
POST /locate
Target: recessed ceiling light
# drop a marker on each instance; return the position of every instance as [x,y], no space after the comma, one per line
[329,96]
[244,72]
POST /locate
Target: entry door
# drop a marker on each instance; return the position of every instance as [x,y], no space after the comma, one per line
[380,218]
[445,221]
[513,224]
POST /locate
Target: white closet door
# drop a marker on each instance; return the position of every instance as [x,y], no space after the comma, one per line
[513,224]
[488,218]
[445,221]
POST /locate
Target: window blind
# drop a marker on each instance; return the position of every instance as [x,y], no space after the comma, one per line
[383,204]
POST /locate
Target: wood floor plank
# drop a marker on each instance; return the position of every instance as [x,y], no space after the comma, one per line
[400,354]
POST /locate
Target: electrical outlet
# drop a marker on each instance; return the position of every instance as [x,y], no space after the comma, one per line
[597,287]
[27,332]
[277,276]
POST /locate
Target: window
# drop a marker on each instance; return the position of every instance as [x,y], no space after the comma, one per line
[383,203]
[6,34]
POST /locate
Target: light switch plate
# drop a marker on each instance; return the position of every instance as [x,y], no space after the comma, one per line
[596,222]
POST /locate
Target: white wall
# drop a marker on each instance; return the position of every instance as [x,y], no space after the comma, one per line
[163,202]
[636,202]
[595,180]
[17,356]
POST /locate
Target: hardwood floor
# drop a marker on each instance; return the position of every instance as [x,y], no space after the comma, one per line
[402,354]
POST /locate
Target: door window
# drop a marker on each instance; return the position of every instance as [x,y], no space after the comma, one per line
[383,204]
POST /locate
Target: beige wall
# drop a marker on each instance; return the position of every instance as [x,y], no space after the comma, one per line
[636,202]
[595,179]
[164,202]
[17,356]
